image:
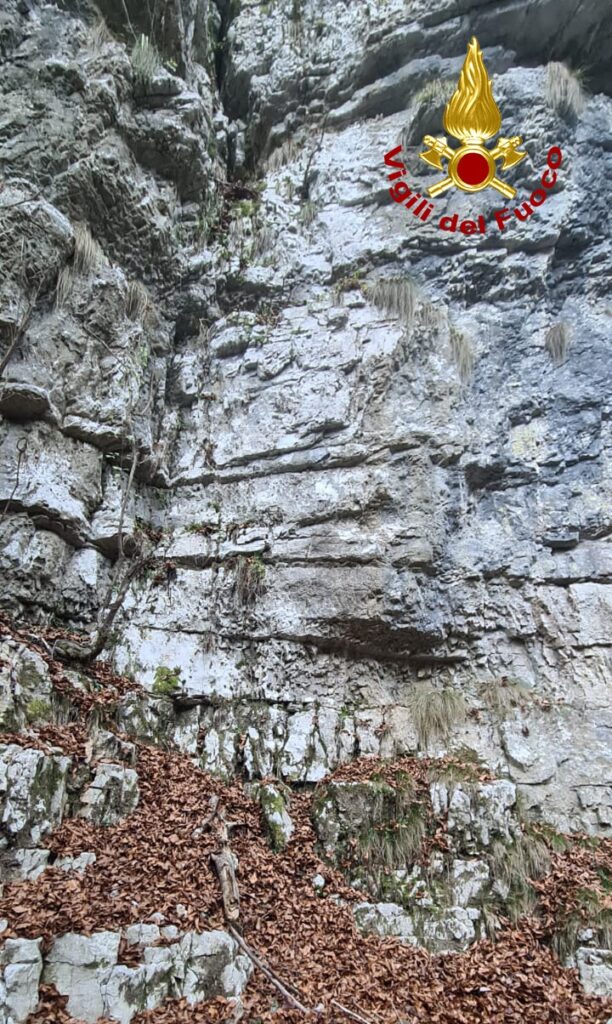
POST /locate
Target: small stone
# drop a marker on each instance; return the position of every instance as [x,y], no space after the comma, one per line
[77,864]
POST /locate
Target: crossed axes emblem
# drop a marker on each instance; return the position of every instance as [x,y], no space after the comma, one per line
[472,167]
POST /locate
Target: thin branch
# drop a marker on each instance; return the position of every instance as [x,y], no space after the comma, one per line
[22,445]
[125,496]
[18,333]
[350,1014]
[304,189]
[68,650]
[127,18]
[270,975]
[39,640]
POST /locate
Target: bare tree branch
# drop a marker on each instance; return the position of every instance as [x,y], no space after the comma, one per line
[68,650]
[125,496]
[18,333]
[270,975]
[304,189]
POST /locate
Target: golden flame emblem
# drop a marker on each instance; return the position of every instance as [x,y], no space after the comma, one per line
[472,116]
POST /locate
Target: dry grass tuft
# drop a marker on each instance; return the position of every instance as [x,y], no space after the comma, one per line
[87,253]
[249,579]
[145,61]
[63,288]
[263,242]
[86,257]
[100,35]
[398,296]
[435,712]
[564,89]
[502,695]
[393,845]
[137,301]
[308,213]
[591,912]
[462,352]
[516,865]
[558,341]
[285,154]
[434,93]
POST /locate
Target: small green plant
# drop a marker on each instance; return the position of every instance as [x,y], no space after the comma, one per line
[308,212]
[564,89]
[349,283]
[556,841]
[558,340]
[592,912]
[208,214]
[399,297]
[204,529]
[166,681]
[143,356]
[246,208]
[249,580]
[38,710]
[435,712]
[145,61]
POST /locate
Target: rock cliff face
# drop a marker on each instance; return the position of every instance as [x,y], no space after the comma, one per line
[357,498]
[334,480]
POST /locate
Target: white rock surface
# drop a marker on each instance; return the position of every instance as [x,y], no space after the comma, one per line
[595,970]
[21,966]
[385,919]
[278,821]
[76,964]
[195,967]
[112,795]
[32,794]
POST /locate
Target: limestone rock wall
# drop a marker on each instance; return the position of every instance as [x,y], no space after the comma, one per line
[355,512]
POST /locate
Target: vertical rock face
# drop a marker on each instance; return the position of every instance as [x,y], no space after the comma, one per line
[370,460]
[33,788]
[199,967]
[21,963]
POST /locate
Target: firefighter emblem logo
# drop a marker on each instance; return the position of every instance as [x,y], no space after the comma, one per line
[472,116]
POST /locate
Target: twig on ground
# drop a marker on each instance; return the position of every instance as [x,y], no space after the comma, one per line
[270,975]
[349,1013]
